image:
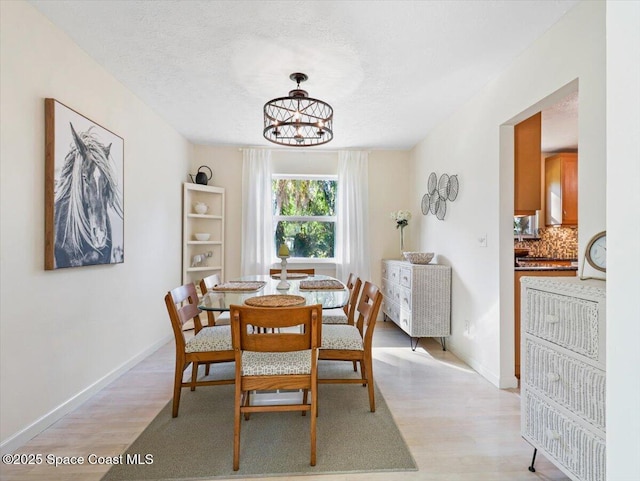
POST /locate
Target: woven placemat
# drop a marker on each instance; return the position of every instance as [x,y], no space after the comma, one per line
[323,284]
[246,286]
[292,275]
[275,300]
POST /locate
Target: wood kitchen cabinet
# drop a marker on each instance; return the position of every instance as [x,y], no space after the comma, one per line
[561,189]
[527,155]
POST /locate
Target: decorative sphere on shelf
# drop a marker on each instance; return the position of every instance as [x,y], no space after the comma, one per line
[200,207]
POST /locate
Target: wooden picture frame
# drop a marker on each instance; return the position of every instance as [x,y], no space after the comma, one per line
[84,190]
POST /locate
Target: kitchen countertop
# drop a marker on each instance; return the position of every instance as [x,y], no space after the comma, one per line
[546,268]
[544,264]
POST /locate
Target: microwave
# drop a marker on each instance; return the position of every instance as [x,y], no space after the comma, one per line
[526,226]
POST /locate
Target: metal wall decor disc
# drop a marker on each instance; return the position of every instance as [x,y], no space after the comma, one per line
[453,188]
[432,183]
[443,186]
[433,203]
[425,204]
[441,208]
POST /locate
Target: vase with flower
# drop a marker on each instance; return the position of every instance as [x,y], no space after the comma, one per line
[401,218]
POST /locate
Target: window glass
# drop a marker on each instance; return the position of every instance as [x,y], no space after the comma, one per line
[304,212]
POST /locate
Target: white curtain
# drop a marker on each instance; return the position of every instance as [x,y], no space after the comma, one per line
[352,236]
[257,216]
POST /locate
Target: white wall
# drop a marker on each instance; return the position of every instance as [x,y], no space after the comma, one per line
[388,174]
[623,234]
[65,333]
[472,144]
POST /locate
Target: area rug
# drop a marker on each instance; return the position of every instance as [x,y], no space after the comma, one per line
[198,444]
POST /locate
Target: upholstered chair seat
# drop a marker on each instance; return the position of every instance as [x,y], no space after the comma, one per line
[334,316]
[276,363]
[214,338]
[337,336]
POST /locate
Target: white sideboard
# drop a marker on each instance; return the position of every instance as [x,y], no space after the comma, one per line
[417,298]
[563,373]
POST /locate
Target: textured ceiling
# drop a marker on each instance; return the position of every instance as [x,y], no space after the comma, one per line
[391,70]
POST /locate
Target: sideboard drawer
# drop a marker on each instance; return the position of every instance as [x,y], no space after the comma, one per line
[405,298]
[391,309]
[577,449]
[405,277]
[567,321]
[394,273]
[387,289]
[567,381]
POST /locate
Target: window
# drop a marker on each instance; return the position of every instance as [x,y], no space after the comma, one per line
[304,215]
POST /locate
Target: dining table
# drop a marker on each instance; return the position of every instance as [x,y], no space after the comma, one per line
[221,300]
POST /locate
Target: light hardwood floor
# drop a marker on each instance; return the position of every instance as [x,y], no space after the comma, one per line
[458,426]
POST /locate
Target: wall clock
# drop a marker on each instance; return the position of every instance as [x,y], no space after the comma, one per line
[596,254]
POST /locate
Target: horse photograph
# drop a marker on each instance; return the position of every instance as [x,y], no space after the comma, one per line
[84,208]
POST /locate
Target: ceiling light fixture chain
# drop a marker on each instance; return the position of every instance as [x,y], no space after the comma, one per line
[298,120]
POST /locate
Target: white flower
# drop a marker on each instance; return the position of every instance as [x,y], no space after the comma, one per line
[401,217]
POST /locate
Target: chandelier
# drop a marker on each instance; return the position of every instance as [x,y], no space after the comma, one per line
[298,120]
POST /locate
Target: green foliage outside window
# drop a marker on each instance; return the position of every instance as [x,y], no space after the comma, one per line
[305,200]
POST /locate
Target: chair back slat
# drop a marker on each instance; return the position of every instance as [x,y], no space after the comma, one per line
[182,306]
[353,284]
[256,328]
[368,308]
[207,283]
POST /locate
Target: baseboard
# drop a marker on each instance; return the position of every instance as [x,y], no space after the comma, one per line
[19,439]
[490,376]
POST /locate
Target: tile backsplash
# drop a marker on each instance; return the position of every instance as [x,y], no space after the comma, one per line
[555,242]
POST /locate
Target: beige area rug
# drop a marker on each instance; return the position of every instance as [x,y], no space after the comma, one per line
[198,444]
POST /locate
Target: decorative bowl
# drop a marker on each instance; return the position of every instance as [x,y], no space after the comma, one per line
[200,207]
[418,257]
[202,236]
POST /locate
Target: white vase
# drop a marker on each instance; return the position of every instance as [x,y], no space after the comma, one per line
[200,207]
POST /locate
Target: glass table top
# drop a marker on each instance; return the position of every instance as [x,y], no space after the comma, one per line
[328,298]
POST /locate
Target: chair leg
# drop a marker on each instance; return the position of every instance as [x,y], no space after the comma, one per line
[236,428]
[363,373]
[314,416]
[247,402]
[355,366]
[305,393]
[177,388]
[372,402]
[206,368]
[194,374]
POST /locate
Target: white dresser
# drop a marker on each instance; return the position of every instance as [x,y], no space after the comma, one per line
[417,298]
[563,373]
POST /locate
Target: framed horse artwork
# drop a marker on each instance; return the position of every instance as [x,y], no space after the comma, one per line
[84,206]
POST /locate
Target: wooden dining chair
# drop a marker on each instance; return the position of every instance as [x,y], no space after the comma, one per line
[211,344]
[311,272]
[346,314]
[344,342]
[207,283]
[282,354]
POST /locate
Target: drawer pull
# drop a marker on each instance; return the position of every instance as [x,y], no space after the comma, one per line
[551,434]
[553,377]
[551,319]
